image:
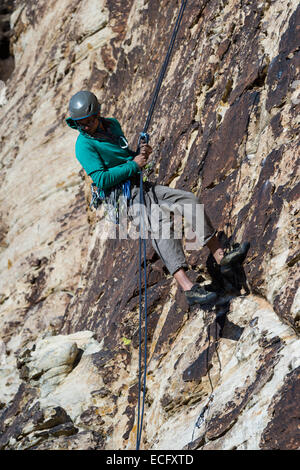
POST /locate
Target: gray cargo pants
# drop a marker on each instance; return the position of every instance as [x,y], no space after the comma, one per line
[163,201]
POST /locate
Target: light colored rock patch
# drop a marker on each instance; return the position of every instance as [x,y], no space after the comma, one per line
[51,359]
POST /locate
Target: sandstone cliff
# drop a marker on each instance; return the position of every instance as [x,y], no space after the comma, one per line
[226,126]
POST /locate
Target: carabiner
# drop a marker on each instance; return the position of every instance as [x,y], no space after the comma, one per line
[144,137]
[125,142]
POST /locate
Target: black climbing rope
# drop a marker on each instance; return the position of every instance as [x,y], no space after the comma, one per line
[142,241]
[201,417]
[165,64]
[144,137]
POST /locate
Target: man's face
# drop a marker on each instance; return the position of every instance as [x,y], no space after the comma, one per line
[89,124]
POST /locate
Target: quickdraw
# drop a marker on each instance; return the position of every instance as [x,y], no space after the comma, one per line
[111,199]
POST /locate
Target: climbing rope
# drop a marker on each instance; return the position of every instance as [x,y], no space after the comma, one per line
[201,417]
[142,241]
[144,137]
[165,64]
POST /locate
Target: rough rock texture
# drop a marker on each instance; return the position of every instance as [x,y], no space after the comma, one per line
[226,126]
[6,56]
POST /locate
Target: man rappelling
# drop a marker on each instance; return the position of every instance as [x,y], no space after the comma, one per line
[102,150]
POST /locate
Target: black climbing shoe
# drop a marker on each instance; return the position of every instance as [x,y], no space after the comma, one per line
[198,295]
[223,298]
[237,255]
[234,279]
[229,276]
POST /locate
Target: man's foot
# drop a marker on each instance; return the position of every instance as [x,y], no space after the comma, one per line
[198,295]
[237,255]
[224,298]
[218,255]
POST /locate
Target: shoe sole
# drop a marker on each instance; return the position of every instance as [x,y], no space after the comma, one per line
[224,300]
[237,257]
[209,299]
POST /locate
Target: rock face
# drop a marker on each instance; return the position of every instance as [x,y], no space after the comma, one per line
[6,57]
[226,126]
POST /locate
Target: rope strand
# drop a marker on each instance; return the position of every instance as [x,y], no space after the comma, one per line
[165,65]
[148,120]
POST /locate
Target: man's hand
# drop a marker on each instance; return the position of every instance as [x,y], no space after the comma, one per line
[145,149]
[142,157]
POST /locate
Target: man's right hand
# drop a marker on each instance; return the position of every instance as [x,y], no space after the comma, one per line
[141,160]
[142,157]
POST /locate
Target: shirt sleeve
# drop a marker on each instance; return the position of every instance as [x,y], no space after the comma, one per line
[102,176]
[107,178]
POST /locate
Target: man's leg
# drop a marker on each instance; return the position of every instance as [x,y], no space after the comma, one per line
[217,251]
[182,279]
[173,197]
[170,248]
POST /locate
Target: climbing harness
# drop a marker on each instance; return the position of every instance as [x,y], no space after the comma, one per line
[144,137]
[115,201]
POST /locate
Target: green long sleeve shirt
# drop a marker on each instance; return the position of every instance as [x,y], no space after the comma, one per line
[106,163]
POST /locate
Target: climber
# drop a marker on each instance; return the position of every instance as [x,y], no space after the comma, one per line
[102,150]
